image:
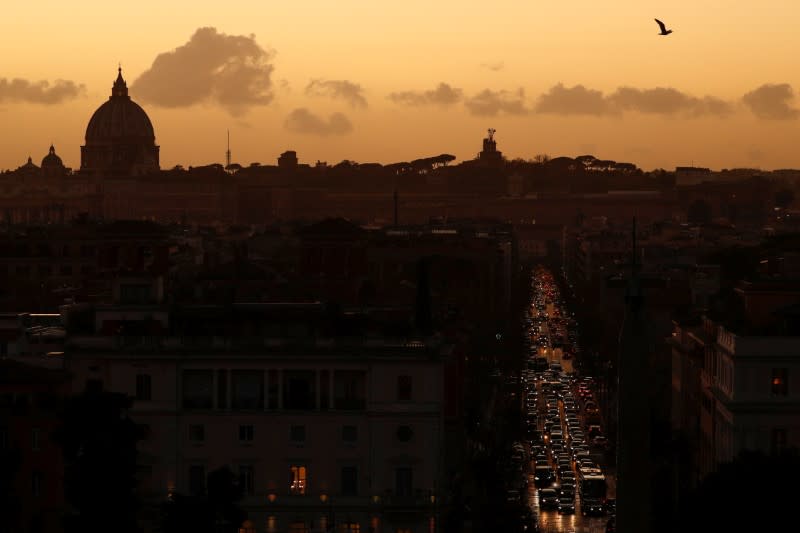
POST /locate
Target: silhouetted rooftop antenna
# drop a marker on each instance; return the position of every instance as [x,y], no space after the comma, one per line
[228,152]
[492,131]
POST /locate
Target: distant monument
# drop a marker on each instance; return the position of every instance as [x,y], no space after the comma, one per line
[120,141]
[490,156]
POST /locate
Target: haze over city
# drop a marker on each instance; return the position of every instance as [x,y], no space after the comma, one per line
[392,81]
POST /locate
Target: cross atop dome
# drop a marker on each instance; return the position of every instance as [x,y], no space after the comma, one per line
[120,88]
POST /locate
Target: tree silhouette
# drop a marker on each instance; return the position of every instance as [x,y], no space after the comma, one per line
[98,441]
[216,511]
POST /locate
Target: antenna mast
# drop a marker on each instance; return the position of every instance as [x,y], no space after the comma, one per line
[228,152]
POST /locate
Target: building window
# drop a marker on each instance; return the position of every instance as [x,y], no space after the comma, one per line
[198,389]
[778,441]
[94,386]
[144,388]
[348,527]
[246,482]
[299,389]
[222,389]
[349,481]
[246,433]
[35,434]
[248,389]
[349,389]
[298,527]
[36,484]
[197,433]
[403,481]
[272,390]
[298,482]
[349,433]
[404,388]
[197,480]
[404,433]
[780,381]
[272,524]
[324,389]
[297,434]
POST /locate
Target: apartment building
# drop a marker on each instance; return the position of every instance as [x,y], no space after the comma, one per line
[321,430]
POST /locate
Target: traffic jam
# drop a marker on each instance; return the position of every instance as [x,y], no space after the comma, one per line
[564,432]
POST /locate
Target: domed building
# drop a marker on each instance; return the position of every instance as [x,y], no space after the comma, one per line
[119,138]
[52,166]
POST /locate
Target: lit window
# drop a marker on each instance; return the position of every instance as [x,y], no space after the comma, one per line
[272,524]
[297,479]
[349,527]
[780,381]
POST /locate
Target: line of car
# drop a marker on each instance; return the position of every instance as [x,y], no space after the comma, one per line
[560,443]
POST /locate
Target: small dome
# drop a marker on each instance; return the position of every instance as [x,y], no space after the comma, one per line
[51,160]
[119,119]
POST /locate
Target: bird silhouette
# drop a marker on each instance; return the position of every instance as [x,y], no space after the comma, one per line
[664,30]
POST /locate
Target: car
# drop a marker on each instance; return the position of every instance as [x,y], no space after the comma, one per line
[592,507]
[611,506]
[543,475]
[566,506]
[594,430]
[513,496]
[548,498]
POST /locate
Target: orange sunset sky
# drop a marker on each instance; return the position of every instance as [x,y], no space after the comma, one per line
[385,81]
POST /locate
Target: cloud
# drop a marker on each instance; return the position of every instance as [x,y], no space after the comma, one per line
[494,66]
[350,92]
[232,71]
[39,92]
[303,121]
[579,100]
[772,102]
[443,95]
[667,101]
[490,103]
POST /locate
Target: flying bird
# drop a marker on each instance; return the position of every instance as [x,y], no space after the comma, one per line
[664,30]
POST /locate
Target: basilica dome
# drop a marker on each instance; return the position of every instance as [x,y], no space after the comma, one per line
[51,160]
[119,137]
